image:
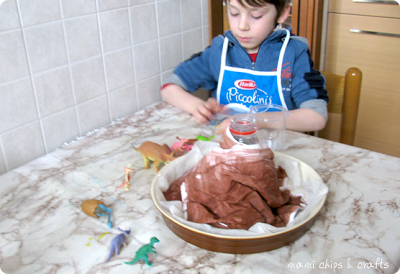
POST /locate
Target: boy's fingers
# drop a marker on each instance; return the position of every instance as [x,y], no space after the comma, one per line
[213,105]
[206,112]
[202,115]
[199,118]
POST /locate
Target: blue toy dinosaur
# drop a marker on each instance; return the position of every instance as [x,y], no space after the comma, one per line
[117,241]
[103,210]
[144,251]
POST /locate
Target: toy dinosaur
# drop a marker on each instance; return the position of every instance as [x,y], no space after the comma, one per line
[144,251]
[183,145]
[188,142]
[202,138]
[128,170]
[117,241]
[97,208]
[177,147]
[152,152]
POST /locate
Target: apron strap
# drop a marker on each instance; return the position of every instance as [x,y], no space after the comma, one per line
[283,49]
[222,69]
[279,68]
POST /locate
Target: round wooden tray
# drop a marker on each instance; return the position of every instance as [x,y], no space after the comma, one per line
[239,244]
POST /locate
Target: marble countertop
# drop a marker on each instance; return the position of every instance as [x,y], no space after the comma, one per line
[43,229]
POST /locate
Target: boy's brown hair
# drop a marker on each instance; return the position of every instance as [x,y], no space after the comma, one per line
[279,4]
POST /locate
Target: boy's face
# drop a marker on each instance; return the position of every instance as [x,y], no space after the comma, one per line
[251,25]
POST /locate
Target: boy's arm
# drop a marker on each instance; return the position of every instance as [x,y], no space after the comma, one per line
[305,119]
[202,111]
[200,70]
[302,119]
[309,95]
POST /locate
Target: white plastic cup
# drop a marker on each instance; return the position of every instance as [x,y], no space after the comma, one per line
[271,125]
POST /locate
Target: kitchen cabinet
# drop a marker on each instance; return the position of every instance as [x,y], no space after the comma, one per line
[366,34]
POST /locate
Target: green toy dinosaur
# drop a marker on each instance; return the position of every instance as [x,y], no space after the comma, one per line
[144,251]
[202,138]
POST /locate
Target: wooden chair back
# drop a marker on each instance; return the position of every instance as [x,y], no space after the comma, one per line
[344,95]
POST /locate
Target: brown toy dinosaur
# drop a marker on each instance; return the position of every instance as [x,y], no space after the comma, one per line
[152,152]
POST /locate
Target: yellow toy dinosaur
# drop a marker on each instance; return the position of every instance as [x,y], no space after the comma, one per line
[152,152]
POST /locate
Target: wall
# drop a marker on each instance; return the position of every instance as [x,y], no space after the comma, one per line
[70,66]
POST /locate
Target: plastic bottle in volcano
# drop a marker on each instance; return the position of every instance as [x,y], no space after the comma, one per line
[243,129]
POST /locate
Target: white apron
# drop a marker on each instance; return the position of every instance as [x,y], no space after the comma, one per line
[246,87]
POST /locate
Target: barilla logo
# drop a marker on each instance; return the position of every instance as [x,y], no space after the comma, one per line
[245,84]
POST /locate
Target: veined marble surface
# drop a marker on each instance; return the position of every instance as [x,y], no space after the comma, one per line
[43,229]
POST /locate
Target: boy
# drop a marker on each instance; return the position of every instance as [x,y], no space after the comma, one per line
[252,64]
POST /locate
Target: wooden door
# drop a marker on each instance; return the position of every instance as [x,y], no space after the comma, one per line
[305,20]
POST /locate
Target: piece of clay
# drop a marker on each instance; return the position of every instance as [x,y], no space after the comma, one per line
[117,241]
[102,235]
[97,208]
[144,251]
[152,152]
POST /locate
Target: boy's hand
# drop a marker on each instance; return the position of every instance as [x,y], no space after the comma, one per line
[202,111]
[206,110]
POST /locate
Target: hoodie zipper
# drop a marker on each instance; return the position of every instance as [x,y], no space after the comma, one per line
[252,63]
